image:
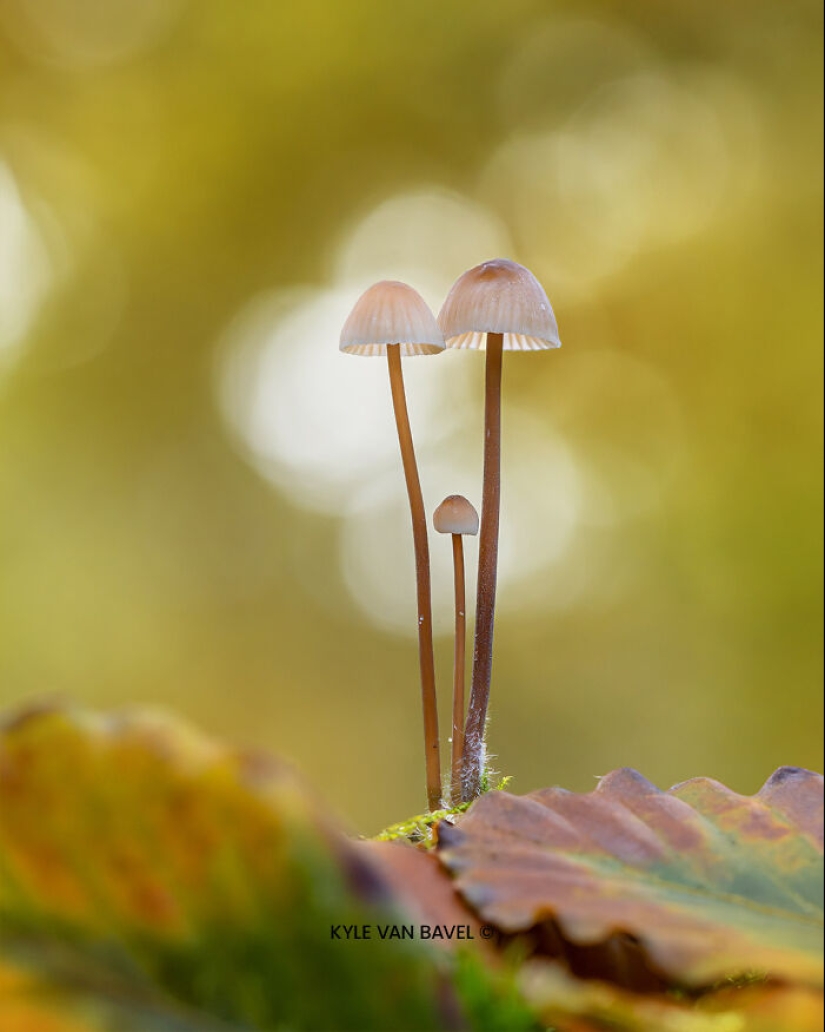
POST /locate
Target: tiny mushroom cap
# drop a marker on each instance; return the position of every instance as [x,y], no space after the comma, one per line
[390,312]
[455,515]
[499,296]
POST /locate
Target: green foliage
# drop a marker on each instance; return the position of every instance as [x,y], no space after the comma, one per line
[493,999]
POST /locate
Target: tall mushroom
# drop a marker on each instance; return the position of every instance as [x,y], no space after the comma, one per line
[456,516]
[499,305]
[392,319]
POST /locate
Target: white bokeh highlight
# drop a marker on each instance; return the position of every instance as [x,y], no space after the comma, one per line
[425,238]
[645,162]
[26,271]
[314,421]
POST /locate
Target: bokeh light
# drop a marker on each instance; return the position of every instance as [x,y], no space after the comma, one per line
[644,162]
[318,423]
[25,269]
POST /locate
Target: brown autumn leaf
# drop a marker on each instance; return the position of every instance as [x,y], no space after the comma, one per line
[425,892]
[694,884]
[151,878]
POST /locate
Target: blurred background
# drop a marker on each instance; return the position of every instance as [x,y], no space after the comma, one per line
[201,500]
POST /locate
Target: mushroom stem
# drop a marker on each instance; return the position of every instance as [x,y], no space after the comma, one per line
[487,569]
[422,576]
[458,670]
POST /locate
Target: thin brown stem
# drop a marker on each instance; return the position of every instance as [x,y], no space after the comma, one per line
[487,567]
[422,577]
[458,670]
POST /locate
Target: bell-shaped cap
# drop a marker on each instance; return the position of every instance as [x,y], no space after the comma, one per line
[391,313]
[455,515]
[499,296]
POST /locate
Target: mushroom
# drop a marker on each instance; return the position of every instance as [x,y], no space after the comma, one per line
[457,516]
[392,319]
[499,305]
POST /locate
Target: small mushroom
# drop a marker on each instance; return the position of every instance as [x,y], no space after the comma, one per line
[392,319]
[457,516]
[498,306]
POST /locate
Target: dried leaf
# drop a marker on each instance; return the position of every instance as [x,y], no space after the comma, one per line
[139,860]
[702,883]
[424,890]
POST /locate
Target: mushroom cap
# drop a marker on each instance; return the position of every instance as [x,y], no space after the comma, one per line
[499,296]
[455,515]
[390,312]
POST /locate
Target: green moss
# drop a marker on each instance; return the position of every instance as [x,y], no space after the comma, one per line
[418,830]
